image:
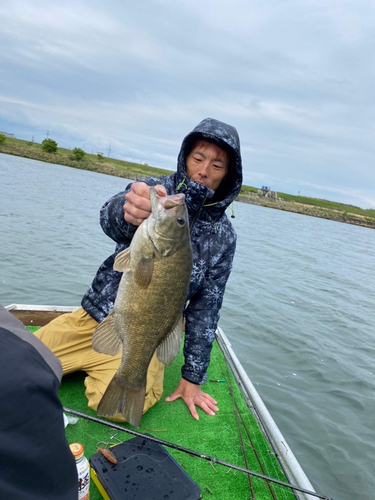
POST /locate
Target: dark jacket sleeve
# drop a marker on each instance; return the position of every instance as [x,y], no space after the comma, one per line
[35,460]
[112,214]
[112,219]
[202,316]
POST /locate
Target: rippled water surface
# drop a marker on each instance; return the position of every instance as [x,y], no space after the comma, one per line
[299,306]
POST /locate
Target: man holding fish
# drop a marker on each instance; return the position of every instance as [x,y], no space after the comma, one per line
[156,276]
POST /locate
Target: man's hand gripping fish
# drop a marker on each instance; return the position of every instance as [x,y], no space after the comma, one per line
[147,315]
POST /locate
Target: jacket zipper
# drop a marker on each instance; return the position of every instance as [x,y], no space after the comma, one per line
[197,215]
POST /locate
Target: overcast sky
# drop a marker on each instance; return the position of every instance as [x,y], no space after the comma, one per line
[296,78]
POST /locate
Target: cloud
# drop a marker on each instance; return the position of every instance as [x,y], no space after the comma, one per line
[293,77]
[367,201]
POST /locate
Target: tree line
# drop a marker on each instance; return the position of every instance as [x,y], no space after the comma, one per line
[50,146]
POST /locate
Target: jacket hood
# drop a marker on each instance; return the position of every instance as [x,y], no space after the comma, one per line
[227,138]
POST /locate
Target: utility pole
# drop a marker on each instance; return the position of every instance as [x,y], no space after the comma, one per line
[109,150]
[47,133]
[32,139]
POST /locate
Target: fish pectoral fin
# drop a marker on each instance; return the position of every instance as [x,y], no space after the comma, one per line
[122,261]
[143,272]
[170,347]
[105,339]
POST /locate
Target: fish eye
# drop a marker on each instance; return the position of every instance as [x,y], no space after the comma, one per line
[181,221]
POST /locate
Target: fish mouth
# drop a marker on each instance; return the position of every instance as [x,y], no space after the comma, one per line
[172,201]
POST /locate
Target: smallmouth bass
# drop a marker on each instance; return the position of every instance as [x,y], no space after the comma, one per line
[147,314]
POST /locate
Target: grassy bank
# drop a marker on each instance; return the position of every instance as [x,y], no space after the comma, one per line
[314,207]
[94,163]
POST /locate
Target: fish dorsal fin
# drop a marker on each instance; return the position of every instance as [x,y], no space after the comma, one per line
[143,272]
[122,261]
[105,339]
[168,350]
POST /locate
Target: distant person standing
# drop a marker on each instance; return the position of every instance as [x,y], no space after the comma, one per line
[35,459]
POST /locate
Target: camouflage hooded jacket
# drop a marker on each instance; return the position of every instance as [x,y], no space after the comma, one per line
[213,242]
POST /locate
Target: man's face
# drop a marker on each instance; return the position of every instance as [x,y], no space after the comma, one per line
[207,164]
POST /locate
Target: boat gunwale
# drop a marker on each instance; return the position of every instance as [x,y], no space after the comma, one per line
[285,456]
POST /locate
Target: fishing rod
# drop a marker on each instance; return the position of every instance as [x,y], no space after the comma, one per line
[192,452]
[238,416]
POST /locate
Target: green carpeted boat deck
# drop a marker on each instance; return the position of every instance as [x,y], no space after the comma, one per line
[217,436]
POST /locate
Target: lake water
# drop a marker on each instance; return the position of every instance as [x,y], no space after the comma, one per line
[299,306]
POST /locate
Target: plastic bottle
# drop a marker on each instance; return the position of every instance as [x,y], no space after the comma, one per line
[83,470]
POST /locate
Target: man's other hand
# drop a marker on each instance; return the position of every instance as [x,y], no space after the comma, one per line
[193,396]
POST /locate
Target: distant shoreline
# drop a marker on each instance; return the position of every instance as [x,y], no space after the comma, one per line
[302,205]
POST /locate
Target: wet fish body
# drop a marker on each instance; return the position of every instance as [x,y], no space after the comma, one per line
[147,315]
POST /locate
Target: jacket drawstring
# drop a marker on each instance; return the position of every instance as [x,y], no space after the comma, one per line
[182,183]
[232,208]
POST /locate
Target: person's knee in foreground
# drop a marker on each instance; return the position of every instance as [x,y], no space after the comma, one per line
[209,173]
[36,461]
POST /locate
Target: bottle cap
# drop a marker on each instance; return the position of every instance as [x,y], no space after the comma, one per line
[77,450]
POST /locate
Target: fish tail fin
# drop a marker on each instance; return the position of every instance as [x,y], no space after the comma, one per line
[119,397]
